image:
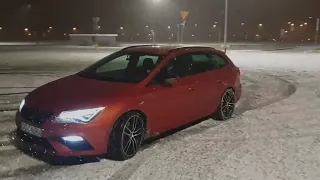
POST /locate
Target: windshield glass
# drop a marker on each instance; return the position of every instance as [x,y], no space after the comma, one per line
[131,67]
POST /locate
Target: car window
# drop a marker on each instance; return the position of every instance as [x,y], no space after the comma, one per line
[201,58]
[178,67]
[202,62]
[131,67]
[117,64]
[219,60]
[142,58]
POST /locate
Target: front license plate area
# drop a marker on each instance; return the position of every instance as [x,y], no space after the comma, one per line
[31,129]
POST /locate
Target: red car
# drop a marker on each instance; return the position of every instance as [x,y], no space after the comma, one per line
[128,96]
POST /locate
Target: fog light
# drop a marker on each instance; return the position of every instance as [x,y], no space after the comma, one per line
[72,138]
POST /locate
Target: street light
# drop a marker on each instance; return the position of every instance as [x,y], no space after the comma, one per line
[50,27]
[214,26]
[147,26]
[0,28]
[225,25]
[260,25]
[26,29]
[242,24]
[169,27]
[121,27]
[305,23]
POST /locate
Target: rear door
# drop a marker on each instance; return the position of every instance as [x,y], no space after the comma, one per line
[211,76]
[171,105]
[207,86]
[222,71]
[220,74]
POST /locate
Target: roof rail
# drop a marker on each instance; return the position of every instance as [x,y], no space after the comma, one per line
[190,47]
[143,45]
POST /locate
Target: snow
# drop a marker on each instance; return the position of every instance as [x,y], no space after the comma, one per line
[284,61]
[274,135]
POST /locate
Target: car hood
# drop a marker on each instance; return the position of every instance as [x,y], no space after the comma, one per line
[75,92]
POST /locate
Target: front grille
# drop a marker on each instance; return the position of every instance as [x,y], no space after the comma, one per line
[34,140]
[35,116]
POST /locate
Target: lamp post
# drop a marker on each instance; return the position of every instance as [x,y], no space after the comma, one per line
[317,31]
[225,25]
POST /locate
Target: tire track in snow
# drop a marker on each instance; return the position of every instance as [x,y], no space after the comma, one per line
[246,102]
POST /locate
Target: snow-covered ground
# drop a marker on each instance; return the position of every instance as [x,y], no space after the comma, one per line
[274,135]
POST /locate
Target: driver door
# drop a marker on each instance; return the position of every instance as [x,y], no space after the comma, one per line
[168,100]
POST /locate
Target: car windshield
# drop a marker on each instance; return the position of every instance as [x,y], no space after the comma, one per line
[130,67]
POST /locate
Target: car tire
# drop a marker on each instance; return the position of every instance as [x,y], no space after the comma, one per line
[227,105]
[126,136]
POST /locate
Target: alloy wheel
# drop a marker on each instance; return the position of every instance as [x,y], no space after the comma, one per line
[132,135]
[227,104]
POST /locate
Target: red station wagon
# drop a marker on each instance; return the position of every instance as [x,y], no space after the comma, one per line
[128,96]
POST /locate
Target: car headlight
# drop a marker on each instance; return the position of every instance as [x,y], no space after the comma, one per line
[23,102]
[78,116]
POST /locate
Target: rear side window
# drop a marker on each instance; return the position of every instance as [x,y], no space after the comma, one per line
[200,58]
[218,60]
[202,62]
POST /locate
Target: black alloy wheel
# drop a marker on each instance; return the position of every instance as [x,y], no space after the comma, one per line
[126,137]
[227,105]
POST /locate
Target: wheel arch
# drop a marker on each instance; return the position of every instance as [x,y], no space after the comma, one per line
[144,116]
[232,88]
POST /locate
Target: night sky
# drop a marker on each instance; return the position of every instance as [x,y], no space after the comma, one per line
[134,15]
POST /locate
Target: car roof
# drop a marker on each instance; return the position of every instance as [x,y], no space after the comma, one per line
[159,49]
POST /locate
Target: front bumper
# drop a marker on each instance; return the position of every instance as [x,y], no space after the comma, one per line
[95,138]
